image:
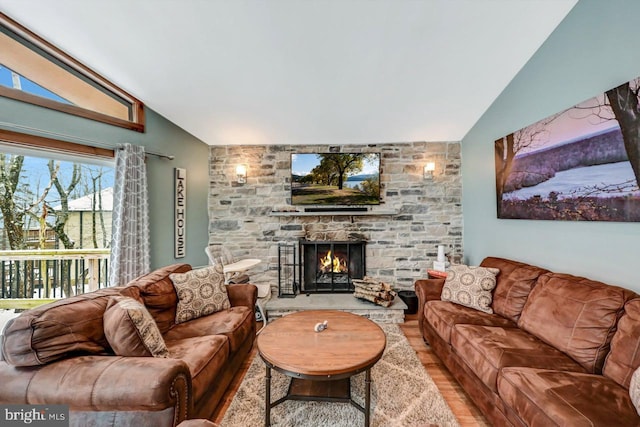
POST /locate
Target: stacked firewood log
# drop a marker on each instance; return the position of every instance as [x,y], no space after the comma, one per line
[374,290]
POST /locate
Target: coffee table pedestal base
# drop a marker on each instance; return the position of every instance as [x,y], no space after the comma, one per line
[330,391]
[324,390]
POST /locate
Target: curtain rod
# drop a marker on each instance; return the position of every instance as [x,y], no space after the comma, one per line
[78,139]
[164,156]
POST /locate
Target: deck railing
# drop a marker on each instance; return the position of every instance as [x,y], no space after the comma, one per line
[52,273]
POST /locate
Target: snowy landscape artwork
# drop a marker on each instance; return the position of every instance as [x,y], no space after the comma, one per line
[582,164]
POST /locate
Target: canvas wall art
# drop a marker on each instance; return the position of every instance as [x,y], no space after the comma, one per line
[582,164]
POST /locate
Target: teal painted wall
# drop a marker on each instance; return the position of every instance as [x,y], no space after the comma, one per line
[594,49]
[160,136]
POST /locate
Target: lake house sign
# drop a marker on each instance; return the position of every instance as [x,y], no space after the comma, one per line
[180,215]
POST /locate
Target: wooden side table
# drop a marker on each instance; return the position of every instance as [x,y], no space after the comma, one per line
[436,274]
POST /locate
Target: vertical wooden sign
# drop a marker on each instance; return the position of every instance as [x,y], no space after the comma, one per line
[180,215]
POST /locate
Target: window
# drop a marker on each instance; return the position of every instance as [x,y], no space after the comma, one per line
[55,216]
[14,80]
[33,70]
[52,199]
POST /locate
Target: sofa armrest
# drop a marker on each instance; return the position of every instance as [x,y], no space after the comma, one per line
[243,294]
[427,290]
[102,383]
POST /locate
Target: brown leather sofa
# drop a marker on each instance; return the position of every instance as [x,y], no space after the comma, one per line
[559,350]
[58,354]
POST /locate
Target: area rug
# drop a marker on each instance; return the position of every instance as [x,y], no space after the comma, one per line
[402,394]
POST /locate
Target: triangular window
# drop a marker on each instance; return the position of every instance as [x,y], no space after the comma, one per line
[33,70]
[13,80]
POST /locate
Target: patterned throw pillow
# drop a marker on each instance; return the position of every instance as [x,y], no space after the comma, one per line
[130,329]
[470,286]
[200,292]
[634,390]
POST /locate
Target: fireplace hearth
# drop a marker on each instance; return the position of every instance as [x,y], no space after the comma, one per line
[329,266]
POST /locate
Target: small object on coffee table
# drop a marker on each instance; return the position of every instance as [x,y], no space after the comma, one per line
[321,326]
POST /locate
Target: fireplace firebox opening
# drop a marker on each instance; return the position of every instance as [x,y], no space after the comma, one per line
[329,266]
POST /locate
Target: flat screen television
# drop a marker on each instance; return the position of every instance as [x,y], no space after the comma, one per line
[335,179]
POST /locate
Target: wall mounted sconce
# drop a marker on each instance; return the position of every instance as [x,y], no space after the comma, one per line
[241,174]
[429,168]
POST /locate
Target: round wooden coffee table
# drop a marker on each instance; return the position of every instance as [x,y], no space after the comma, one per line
[320,364]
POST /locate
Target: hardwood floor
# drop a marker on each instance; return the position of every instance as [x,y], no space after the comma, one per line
[464,410]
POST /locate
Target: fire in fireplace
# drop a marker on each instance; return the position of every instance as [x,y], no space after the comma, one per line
[333,264]
[330,266]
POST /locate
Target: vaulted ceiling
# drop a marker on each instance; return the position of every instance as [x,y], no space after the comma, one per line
[304,72]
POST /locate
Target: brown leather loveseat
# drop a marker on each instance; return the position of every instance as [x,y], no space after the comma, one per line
[558,350]
[58,354]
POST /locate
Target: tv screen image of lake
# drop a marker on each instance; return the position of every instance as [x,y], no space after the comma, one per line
[335,179]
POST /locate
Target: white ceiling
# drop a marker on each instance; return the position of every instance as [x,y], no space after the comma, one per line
[303,72]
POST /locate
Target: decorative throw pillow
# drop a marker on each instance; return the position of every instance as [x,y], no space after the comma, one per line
[470,286]
[130,329]
[200,292]
[634,390]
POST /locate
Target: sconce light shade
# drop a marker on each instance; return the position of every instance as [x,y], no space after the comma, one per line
[241,174]
[429,168]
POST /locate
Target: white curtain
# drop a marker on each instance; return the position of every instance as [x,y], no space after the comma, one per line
[130,225]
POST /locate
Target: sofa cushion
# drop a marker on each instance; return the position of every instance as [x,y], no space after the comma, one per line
[444,315]
[470,286]
[575,315]
[488,349]
[236,323]
[200,292]
[205,356]
[544,397]
[513,285]
[131,331]
[53,331]
[158,294]
[624,357]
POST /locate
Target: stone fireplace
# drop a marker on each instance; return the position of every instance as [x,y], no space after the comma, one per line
[329,266]
[402,234]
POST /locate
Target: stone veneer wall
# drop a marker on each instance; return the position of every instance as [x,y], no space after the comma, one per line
[400,247]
